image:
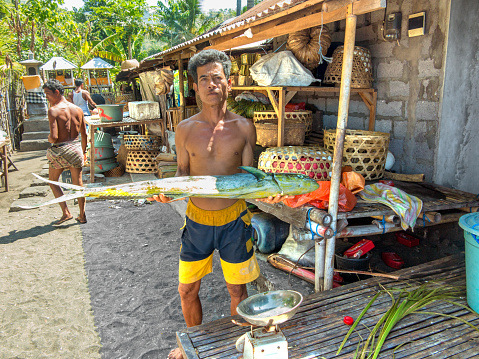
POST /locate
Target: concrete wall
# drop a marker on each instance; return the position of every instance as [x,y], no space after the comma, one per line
[409,79]
[458,146]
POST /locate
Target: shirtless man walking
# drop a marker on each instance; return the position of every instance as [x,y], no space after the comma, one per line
[214,142]
[81,97]
[67,150]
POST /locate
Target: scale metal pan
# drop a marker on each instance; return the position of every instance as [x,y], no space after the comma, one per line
[270,308]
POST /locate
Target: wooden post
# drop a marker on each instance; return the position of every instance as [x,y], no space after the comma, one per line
[343,109]
[92,154]
[281,104]
[182,88]
[319,248]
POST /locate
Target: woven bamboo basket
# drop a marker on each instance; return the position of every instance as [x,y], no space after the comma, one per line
[267,133]
[305,45]
[141,161]
[173,115]
[142,142]
[362,73]
[315,162]
[364,151]
[115,172]
[301,116]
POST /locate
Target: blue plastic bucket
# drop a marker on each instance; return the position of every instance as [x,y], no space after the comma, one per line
[470,224]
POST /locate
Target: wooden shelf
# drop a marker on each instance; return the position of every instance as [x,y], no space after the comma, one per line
[286,93]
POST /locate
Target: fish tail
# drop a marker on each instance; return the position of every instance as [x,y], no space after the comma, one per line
[63,198]
[60,184]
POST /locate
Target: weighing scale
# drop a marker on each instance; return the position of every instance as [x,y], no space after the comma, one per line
[264,312]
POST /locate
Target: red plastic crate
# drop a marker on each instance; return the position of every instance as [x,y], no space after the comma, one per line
[407,239]
[359,249]
[392,259]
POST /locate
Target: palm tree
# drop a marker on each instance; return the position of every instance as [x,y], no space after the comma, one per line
[183,20]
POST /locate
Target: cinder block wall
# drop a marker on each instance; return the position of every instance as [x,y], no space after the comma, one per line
[409,80]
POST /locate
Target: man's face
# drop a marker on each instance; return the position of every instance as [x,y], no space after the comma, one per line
[213,86]
[50,95]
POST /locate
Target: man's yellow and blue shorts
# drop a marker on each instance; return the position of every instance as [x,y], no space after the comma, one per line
[229,231]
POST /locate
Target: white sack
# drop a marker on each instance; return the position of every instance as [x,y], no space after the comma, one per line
[281,69]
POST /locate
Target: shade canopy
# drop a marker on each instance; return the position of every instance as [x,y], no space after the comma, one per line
[58,63]
[96,63]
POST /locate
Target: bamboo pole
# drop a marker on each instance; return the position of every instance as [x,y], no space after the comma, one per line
[320,251]
[345,90]
[281,120]
[182,88]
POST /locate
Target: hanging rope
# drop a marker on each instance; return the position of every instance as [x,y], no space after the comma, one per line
[321,56]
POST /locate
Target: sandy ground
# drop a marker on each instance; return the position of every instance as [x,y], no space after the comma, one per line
[108,289]
[44,299]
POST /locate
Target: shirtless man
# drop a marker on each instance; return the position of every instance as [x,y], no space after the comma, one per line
[67,151]
[80,97]
[214,142]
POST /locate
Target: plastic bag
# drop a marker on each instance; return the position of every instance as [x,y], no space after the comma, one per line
[281,69]
[353,181]
[320,198]
[295,107]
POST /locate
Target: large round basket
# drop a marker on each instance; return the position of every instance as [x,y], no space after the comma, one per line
[298,116]
[142,142]
[362,73]
[315,162]
[267,133]
[305,45]
[364,151]
[141,161]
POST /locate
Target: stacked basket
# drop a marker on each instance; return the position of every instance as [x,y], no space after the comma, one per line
[364,151]
[297,125]
[142,151]
[362,72]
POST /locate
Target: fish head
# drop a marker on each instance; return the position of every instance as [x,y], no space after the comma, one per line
[295,183]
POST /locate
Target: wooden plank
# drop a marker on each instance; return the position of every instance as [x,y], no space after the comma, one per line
[185,345]
[292,22]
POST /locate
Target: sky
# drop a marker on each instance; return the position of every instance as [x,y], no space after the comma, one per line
[206,5]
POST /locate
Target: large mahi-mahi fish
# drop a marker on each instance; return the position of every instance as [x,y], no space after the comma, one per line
[254,184]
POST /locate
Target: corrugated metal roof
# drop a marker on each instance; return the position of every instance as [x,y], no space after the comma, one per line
[262,10]
[96,63]
[58,63]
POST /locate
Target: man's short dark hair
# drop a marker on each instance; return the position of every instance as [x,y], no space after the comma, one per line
[78,82]
[54,85]
[205,57]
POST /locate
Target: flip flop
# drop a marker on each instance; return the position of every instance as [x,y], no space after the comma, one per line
[80,220]
[62,220]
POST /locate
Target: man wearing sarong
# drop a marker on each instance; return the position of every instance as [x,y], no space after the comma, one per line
[67,150]
[214,142]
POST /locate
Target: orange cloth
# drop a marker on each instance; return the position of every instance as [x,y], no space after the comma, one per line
[31,82]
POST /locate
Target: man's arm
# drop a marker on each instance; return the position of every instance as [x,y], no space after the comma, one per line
[249,132]
[53,136]
[87,97]
[70,97]
[182,158]
[82,131]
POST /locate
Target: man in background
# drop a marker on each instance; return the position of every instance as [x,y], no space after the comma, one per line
[68,150]
[81,97]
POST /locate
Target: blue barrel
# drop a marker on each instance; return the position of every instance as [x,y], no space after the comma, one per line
[269,232]
[470,224]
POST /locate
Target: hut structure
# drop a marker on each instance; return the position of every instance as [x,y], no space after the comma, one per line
[60,69]
[98,74]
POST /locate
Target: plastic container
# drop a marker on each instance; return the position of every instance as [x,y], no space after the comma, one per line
[269,233]
[110,113]
[347,263]
[392,259]
[470,224]
[407,239]
[359,249]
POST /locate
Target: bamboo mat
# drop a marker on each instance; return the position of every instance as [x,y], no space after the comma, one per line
[317,329]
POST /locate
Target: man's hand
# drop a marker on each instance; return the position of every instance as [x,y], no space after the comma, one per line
[273,199]
[160,198]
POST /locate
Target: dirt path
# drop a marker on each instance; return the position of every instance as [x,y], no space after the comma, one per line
[44,299]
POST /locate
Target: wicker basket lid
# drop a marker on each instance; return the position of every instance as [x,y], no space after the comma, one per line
[313,161]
